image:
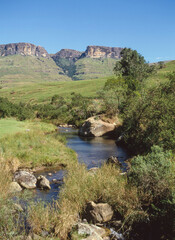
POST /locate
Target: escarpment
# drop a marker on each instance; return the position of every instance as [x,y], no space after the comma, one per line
[25,49]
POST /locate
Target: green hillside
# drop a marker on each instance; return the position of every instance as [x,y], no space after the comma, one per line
[89,68]
[43,91]
[17,69]
[38,92]
[161,75]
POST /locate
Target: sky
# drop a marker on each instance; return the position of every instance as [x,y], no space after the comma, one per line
[147,26]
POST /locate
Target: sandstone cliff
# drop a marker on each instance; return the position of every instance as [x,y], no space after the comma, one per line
[102,52]
[25,49]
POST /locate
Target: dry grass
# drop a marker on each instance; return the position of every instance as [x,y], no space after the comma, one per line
[107,185]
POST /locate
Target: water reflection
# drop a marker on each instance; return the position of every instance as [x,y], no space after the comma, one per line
[93,151]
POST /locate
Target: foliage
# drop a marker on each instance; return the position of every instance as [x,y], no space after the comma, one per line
[20,111]
[113,95]
[67,65]
[133,68]
[61,110]
[161,65]
[149,118]
[154,177]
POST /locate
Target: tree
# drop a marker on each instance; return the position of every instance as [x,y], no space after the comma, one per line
[113,95]
[133,68]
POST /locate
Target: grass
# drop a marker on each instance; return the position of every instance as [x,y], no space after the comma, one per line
[160,76]
[107,185]
[11,126]
[88,68]
[28,144]
[43,92]
[17,70]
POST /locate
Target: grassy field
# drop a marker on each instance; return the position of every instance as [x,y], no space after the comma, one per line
[11,126]
[40,92]
[43,92]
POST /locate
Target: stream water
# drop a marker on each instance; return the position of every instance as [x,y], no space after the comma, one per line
[91,151]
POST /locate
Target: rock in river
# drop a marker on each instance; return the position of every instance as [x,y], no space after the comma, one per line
[25,179]
[96,128]
[43,182]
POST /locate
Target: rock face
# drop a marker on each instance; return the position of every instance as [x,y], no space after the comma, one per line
[96,128]
[69,54]
[43,182]
[25,49]
[98,213]
[102,52]
[25,179]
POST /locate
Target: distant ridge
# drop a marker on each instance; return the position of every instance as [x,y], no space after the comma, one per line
[90,52]
[94,62]
[17,64]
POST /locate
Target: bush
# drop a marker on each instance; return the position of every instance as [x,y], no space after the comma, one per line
[149,118]
[154,177]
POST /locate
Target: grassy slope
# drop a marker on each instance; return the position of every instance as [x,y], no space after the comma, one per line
[42,92]
[88,68]
[160,76]
[18,69]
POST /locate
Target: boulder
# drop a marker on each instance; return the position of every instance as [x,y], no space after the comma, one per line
[14,187]
[43,183]
[25,179]
[98,213]
[96,128]
[93,231]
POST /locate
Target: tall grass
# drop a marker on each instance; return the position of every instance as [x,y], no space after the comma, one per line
[107,185]
[35,148]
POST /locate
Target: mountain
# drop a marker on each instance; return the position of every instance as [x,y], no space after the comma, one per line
[102,52]
[24,49]
[25,62]
[94,62]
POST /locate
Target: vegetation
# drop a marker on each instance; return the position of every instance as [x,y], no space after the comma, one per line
[154,177]
[67,65]
[89,68]
[144,199]
[18,69]
[37,93]
[149,118]
[133,68]
[21,111]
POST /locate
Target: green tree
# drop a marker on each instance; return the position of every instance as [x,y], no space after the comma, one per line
[133,68]
[113,95]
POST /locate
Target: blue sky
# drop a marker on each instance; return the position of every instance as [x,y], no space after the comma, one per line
[147,26]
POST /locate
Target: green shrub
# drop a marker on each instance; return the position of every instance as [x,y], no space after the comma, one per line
[154,177]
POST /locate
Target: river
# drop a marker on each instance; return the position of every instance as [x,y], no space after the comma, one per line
[91,151]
